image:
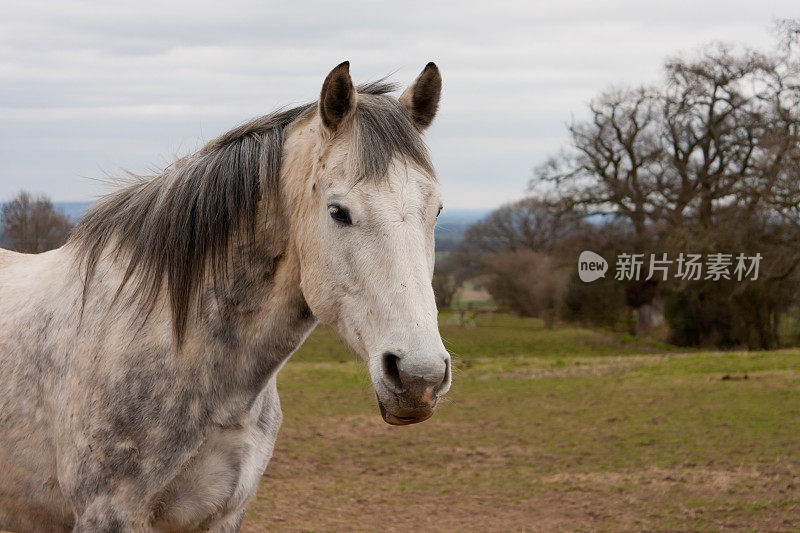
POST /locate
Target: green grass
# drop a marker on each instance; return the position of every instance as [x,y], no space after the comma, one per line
[566,428]
[498,336]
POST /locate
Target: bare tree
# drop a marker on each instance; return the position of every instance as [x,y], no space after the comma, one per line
[688,165]
[32,225]
[723,131]
[614,160]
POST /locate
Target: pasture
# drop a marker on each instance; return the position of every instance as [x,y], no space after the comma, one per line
[563,429]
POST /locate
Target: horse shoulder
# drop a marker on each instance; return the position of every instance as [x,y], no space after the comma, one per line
[7,257]
[27,279]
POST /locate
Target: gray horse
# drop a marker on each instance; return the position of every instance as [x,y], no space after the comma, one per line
[138,362]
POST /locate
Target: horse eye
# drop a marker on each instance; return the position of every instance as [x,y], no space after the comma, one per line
[339,214]
[440,211]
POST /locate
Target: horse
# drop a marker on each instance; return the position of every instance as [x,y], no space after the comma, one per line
[138,362]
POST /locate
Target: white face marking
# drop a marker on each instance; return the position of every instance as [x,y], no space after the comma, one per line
[367,271]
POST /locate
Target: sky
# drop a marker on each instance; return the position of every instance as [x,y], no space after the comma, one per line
[90,88]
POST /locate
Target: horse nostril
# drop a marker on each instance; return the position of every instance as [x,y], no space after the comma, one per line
[441,387]
[391,372]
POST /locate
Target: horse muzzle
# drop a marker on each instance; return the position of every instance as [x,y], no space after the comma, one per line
[409,386]
[396,420]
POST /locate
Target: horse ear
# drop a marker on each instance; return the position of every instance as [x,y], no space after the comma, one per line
[421,99]
[338,96]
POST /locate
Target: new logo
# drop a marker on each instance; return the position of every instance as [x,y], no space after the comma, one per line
[591,266]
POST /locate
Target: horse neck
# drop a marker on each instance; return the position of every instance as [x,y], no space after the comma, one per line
[265,301]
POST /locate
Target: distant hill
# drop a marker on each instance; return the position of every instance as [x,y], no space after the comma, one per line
[450,227]
[73,210]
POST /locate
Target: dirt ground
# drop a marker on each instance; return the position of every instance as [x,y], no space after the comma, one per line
[345,494]
[300,496]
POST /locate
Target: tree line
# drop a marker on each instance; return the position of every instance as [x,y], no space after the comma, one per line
[706,162]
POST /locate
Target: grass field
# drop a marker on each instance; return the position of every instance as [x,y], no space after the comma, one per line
[563,429]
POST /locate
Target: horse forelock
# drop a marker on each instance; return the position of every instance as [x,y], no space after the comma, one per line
[177,230]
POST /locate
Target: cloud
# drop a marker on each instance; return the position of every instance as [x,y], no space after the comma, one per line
[89,87]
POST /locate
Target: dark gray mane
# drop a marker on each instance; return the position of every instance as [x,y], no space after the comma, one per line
[176,230]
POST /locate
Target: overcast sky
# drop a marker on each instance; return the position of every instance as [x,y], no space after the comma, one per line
[88,88]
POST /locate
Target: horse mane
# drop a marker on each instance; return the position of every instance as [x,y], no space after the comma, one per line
[178,228]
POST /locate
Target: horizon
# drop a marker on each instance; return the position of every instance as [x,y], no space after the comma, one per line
[74,209]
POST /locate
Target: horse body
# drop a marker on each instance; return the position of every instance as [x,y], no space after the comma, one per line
[96,414]
[138,362]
